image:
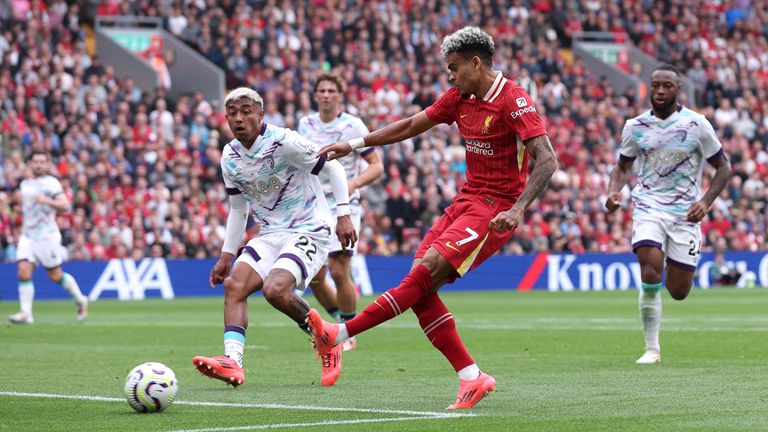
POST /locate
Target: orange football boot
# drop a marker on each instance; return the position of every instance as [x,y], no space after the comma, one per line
[220,367]
[473,391]
[331,366]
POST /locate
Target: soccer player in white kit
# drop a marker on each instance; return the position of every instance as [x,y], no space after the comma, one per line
[328,125]
[40,243]
[273,171]
[670,143]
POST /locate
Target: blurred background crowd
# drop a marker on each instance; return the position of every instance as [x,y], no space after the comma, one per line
[142,171]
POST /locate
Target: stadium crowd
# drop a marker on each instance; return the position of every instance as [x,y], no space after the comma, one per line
[142,171]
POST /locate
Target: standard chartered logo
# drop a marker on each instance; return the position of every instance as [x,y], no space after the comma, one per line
[479,147]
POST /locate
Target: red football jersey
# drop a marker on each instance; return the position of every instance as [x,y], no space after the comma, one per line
[493,129]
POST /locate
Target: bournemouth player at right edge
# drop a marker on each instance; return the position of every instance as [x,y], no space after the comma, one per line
[670,143]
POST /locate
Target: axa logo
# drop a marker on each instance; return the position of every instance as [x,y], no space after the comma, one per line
[521,102]
[487,126]
[131,281]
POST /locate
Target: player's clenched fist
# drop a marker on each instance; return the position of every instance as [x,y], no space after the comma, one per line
[220,270]
[613,202]
[507,220]
[697,211]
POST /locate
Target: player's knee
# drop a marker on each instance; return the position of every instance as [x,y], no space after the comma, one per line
[431,263]
[234,288]
[276,293]
[679,291]
[650,275]
[24,274]
[339,272]
[439,269]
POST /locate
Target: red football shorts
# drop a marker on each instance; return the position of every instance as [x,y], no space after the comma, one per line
[462,235]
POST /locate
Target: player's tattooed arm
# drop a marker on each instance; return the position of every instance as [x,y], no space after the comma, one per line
[719,181]
[544,165]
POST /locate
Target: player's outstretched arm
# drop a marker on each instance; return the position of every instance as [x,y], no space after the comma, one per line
[719,181]
[619,177]
[544,166]
[392,133]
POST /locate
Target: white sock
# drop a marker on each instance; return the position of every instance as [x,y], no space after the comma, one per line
[234,343]
[26,297]
[234,350]
[343,334]
[69,284]
[650,316]
[469,373]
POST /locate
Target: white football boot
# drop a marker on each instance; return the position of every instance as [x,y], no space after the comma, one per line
[20,318]
[651,356]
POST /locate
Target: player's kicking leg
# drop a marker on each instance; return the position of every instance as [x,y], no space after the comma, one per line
[474,385]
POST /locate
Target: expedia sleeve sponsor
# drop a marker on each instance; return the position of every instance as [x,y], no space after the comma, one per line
[520,112]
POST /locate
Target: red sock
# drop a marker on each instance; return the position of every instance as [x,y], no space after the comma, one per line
[440,328]
[393,302]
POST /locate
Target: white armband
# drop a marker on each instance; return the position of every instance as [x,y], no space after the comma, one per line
[342,210]
[357,143]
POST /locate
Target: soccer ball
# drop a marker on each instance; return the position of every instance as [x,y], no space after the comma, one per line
[151,387]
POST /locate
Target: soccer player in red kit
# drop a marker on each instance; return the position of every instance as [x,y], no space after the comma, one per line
[502,130]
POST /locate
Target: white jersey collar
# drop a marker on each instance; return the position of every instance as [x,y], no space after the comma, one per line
[496,87]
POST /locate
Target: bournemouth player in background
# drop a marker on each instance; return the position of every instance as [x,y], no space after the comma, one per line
[502,130]
[671,144]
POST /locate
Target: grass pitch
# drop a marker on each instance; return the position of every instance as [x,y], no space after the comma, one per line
[562,361]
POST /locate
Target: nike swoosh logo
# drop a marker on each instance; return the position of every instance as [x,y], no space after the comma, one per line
[464,115]
[451,246]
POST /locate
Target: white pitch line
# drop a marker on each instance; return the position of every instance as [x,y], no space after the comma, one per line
[581,325]
[425,414]
[322,423]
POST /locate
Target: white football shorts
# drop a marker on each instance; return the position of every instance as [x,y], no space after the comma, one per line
[302,254]
[47,252]
[680,241]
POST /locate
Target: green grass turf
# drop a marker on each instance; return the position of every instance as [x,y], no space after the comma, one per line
[563,362]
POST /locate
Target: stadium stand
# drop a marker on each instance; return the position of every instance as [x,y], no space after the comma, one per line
[142,173]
